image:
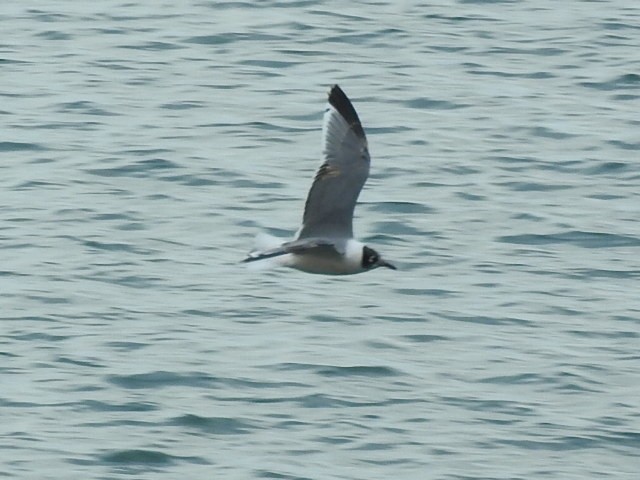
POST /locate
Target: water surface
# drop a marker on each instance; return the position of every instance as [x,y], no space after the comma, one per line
[144,146]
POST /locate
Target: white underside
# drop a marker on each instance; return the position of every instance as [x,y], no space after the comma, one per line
[327,264]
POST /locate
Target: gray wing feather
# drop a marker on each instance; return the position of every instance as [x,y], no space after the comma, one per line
[332,199]
[298,246]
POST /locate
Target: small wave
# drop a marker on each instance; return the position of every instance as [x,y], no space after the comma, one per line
[162,379]
[575,237]
[213,425]
[20,146]
[151,458]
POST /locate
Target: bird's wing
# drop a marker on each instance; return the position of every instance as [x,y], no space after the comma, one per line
[298,246]
[329,208]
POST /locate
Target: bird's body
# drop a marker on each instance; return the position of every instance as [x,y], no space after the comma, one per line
[324,243]
[328,261]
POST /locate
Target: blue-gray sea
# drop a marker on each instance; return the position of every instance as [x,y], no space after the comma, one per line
[143,145]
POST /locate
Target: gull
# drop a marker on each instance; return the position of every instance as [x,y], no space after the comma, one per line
[324,243]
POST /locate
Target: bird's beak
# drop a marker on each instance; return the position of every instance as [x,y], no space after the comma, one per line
[382,263]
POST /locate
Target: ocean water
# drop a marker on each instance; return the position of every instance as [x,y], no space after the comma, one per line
[143,146]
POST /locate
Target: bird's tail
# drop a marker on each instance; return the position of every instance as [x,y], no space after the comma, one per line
[264,241]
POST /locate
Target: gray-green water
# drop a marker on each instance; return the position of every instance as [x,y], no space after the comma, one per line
[142,147]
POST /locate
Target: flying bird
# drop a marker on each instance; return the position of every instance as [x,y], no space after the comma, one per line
[324,243]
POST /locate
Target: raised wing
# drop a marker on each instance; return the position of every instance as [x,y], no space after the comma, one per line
[329,208]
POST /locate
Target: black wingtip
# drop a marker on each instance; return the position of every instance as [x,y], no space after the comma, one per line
[339,100]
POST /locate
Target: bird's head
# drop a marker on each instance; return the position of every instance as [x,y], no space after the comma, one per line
[371,259]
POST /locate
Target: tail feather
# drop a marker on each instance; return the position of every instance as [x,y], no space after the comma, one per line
[264,241]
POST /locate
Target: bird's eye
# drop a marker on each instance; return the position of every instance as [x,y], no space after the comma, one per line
[369,257]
